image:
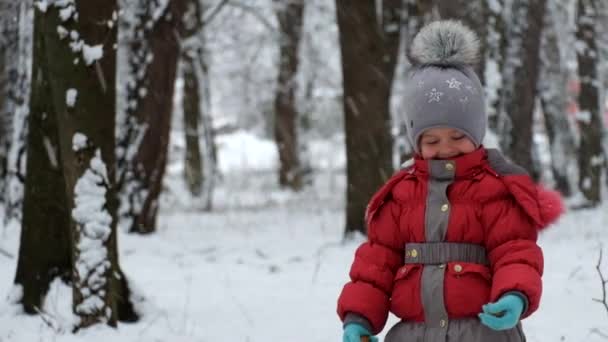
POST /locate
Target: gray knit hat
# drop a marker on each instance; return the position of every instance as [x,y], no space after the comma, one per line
[442,89]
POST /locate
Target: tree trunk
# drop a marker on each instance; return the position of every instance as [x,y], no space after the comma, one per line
[16,54]
[144,136]
[553,95]
[200,166]
[589,121]
[290,18]
[77,88]
[496,45]
[45,248]
[367,71]
[471,13]
[521,75]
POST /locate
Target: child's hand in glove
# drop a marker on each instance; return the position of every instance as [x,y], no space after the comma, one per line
[504,313]
[354,331]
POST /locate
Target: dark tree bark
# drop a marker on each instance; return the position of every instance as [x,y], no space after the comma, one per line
[369,46]
[589,120]
[144,143]
[521,75]
[45,248]
[496,45]
[470,13]
[290,17]
[73,110]
[553,95]
[200,164]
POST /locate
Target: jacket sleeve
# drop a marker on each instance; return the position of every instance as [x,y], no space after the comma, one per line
[367,295]
[515,257]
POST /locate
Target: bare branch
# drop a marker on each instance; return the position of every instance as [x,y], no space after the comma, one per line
[604,281]
[214,12]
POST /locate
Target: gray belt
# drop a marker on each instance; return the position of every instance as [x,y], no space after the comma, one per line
[444,252]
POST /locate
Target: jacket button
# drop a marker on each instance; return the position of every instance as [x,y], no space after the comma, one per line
[449,167]
[443,323]
[458,268]
[445,208]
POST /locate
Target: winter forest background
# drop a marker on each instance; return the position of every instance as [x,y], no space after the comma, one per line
[198,170]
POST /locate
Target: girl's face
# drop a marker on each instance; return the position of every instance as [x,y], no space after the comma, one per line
[444,143]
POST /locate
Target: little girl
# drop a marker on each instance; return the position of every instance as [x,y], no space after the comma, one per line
[451,247]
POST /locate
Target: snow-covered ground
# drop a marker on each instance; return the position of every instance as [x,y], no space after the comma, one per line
[268,265]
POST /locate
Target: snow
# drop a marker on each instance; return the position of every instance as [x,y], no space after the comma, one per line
[93,224]
[70,97]
[268,265]
[92,53]
[79,141]
[42,5]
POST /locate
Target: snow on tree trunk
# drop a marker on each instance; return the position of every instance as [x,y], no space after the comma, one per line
[144,132]
[18,54]
[553,95]
[520,75]
[200,166]
[290,19]
[368,63]
[590,154]
[80,68]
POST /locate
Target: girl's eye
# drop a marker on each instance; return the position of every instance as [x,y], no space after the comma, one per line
[430,142]
[458,137]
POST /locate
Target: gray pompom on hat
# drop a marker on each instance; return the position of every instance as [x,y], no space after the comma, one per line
[442,89]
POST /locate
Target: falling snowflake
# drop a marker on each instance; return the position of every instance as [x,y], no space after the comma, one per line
[434,95]
[453,83]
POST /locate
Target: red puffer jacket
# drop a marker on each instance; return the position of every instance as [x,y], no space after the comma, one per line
[493,203]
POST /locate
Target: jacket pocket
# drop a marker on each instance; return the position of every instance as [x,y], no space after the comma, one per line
[463,269]
[467,288]
[406,298]
[405,271]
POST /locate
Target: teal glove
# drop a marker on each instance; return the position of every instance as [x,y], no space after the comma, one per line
[503,314]
[354,331]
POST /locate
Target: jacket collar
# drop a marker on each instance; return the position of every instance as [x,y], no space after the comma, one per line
[464,166]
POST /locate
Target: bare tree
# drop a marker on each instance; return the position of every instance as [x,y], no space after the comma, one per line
[201,164]
[553,95]
[144,130]
[290,18]
[369,42]
[520,75]
[590,154]
[72,142]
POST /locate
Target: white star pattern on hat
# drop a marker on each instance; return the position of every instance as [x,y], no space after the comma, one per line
[453,83]
[434,95]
